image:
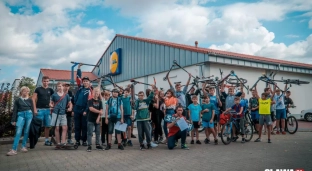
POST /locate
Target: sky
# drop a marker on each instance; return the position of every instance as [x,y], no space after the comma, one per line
[38,34]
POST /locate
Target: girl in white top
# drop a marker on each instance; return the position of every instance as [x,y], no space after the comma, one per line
[104,127]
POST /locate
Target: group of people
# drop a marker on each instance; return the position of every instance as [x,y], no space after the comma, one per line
[99,111]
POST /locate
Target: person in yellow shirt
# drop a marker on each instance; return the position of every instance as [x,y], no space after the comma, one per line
[265,113]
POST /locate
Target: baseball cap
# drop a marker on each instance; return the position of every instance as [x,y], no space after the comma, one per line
[115,90]
[85,78]
[65,83]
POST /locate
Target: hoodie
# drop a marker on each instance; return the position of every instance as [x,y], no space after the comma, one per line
[141,107]
[83,94]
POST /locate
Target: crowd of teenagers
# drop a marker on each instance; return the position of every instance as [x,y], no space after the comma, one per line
[153,111]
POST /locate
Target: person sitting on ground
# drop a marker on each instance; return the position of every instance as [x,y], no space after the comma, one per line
[174,131]
[22,116]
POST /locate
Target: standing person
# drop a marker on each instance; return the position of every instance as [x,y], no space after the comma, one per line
[208,110]
[154,108]
[244,102]
[21,118]
[265,112]
[128,116]
[269,93]
[169,109]
[143,117]
[83,94]
[60,101]
[104,127]
[254,110]
[288,101]
[279,99]
[179,93]
[194,113]
[41,100]
[94,116]
[69,114]
[174,131]
[114,113]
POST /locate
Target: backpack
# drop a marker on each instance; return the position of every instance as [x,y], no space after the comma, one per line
[113,116]
[224,118]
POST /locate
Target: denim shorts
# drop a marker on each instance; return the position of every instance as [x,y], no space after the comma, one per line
[127,120]
[280,114]
[45,116]
[208,124]
[111,126]
[254,115]
[265,119]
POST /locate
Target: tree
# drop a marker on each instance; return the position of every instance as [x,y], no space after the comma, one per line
[28,82]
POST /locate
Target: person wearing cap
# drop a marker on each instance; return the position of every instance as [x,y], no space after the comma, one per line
[69,114]
[82,96]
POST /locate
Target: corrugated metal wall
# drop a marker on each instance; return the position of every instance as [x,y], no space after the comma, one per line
[141,58]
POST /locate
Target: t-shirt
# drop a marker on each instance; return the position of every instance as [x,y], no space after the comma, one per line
[288,101]
[265,106]
[214,102]
[113,108]
[126,105]
[279,100]
[180,95]
[244,103]
[174,129]
[272,105]
[229,99]
[195,111]
[253,103]
[43,97]
[237,109]
[61,106]
[171,103]
[207,115]
[96,104]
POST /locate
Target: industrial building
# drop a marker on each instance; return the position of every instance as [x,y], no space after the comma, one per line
[143,59]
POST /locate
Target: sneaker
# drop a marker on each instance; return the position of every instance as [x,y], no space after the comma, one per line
[120,147]
[277,132]
[243,140]
[149,146]
[156,142]
[11,152]
[228,139]
[89,148]
[47,143]
[284,133]
[103,144]
[219,134]
[192,142]
[258,140]
[198,142]
[69,141]
[153,145]
[124,142]
[133,136]
[84,144]
[269,141]
[144,142]
[108,147]
[98,147]
[234,139]
[115,142]
[184,147]
[78,143]
[142,147]
[216,141]
[24,150]
[129,143]
[160,139]
[207,141]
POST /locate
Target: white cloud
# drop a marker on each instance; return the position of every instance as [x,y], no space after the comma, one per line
[100,22]
[236,27]
[292,36]
[51,38]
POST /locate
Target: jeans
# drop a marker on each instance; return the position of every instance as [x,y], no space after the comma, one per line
[104,131]
[168,112]
[172,139]
[69,126]
[80,124]
[23,122]
[144,127]
[158,129]
[91,126]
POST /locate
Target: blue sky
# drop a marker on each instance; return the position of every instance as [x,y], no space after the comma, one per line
[44,34]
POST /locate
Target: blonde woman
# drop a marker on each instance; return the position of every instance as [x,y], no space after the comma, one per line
[22,116]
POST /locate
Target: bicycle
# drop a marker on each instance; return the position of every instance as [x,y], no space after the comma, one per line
[227,131]
[291,123]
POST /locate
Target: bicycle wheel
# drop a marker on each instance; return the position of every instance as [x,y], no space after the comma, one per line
[201,128]
[248,131]
[226,133]
[291,124]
